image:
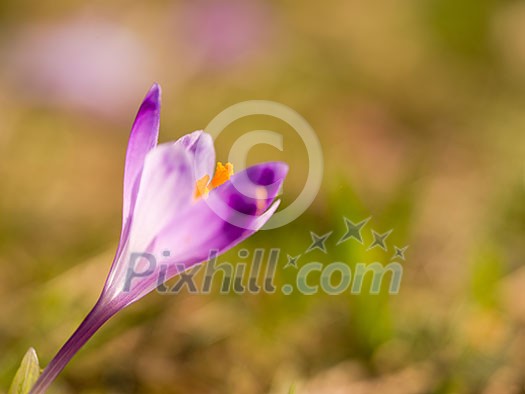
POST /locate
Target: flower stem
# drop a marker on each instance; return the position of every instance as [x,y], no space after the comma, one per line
[93,321]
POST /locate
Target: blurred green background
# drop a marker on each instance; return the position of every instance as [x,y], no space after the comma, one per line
[420,109]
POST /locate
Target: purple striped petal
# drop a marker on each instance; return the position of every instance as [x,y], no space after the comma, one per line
[228,215]
[143,138]
[166,190]
[216,224]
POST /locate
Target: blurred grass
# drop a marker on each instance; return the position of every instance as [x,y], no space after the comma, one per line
[419,108]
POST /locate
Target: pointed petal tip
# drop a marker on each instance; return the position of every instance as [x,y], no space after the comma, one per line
[281,169]
[143,137]
[155,89]
[152,99]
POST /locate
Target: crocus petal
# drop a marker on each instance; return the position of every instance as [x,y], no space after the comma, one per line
[143,138]
[166,189]
[229,214]
[215,240]
[200,145]
[216,224]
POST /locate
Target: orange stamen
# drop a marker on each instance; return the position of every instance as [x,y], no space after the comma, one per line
[201,186]
[223,172]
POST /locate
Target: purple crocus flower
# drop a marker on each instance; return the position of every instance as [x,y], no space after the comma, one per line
[170,204]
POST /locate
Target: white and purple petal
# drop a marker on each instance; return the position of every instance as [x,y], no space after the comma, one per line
[144,136]
[166,190]
[216,224]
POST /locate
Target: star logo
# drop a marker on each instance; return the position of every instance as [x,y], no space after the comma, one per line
[292,261]
[318,242]
[399,253]
[353,230]
[379,240]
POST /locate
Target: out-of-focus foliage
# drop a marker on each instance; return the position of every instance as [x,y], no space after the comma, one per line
[419,106]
